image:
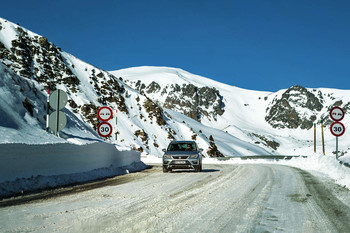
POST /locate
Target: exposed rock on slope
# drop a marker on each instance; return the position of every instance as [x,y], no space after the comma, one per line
[189,99]
[284,111]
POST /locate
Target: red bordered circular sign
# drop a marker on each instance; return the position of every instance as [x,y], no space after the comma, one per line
[337,129]
[105,113]
[337,114]
[104,129]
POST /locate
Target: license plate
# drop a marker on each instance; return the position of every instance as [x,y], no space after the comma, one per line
[180,162]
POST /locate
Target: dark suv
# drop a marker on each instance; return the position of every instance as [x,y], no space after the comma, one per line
[182,155]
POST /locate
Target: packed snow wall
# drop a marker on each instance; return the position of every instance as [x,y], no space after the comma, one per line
[22,161]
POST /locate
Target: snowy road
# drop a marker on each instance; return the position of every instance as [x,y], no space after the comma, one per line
[223,198]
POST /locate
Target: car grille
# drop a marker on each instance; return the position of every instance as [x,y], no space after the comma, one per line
[180,157]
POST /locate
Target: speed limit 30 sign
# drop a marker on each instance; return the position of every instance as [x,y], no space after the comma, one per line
[104,129]
[337,129]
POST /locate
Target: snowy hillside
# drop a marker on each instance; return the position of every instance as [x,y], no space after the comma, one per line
[154,105]
[30,65]
[280,122]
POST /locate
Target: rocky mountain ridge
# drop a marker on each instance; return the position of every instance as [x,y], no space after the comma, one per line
[295,107]
[159,104]
[299,107]
[264,115]
[37,65]
[189,99]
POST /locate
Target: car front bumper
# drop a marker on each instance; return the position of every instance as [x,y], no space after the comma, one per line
[180,163]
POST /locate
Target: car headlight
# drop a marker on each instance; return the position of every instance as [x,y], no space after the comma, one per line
[194,156]
[167,156]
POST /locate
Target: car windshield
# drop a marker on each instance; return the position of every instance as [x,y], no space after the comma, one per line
[182,147]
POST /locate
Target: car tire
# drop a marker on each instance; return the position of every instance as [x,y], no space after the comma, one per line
[165,170]
[197,168]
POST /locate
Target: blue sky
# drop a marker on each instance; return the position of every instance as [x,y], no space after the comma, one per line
[264,45]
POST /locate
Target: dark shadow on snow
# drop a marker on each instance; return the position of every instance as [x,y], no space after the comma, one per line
[193,171]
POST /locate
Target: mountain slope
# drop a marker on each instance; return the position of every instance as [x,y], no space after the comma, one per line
[155,104]
[31,65]
[282,122]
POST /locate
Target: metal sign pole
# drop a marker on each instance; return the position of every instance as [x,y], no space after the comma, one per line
[116,125]
[58,111]
[47,110]
[57,119]
[336,148]
[323,149]
[314,138]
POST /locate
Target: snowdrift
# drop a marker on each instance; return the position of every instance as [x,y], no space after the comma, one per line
[34,167]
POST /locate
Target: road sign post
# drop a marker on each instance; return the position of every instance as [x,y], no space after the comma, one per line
[57,120]
[337,128]
[104,114]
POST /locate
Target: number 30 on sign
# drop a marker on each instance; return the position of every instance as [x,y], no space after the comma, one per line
[104,129]
[337,129]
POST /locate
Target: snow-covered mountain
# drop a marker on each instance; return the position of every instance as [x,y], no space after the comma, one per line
[155,104]
[281,122]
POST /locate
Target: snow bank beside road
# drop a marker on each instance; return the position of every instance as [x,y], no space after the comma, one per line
[326,165]
[321,164]
[30,167]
